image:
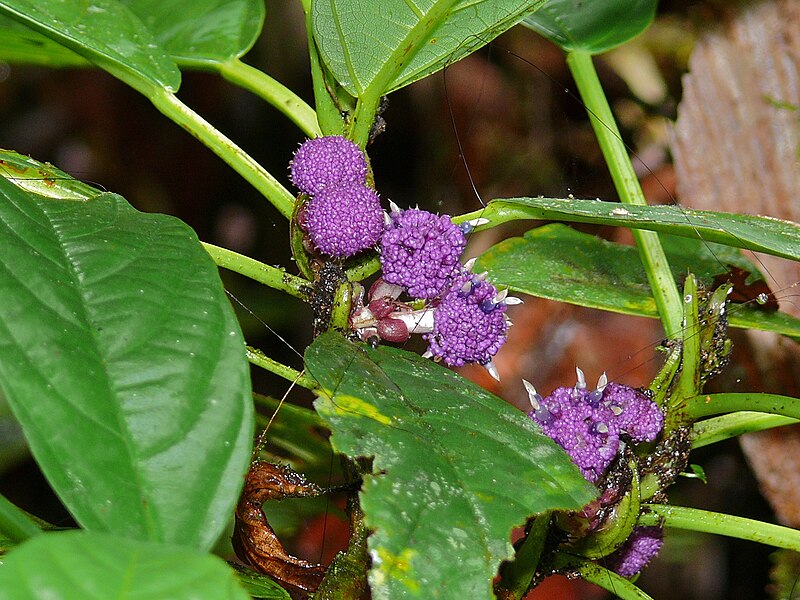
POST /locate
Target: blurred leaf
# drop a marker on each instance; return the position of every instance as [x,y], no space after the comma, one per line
[104,32]
[455,468]
[260,586]
[749,232]
[594,26]
[396,42]
[122,360]
[76,565]
[559,263]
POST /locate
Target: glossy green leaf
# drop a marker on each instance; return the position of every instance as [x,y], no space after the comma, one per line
[21,44]
[43,179]
[559,263]
[386,45]
[594,26]
[201,32]
[455,468]
[123,361]
[106,33]
[193,34]
[749,232]
[76,565]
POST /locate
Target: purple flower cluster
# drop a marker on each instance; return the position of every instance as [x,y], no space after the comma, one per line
[638,550]
[327,161]
[588,425]
[469,323]
[420,251]
[344,216]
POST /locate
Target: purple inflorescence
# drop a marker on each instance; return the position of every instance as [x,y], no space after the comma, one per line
[588,424]
[469,325]
[327,161]
[420,251]
[343,220]
[638,550]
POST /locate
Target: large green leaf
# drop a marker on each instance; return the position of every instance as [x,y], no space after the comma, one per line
[106,33]
[594,26]
[202,32]
[455,468]
[386,45]
[193,34]
[749,232]
[76,565]
[559,263]
[122,359]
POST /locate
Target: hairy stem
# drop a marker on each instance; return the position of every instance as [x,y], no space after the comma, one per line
[242,163]
[627,185]
[273,92]
[693,519]
[259,359]
[256,270]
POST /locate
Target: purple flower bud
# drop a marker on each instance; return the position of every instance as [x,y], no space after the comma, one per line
[420,251]
[588,424]
[640,418]
[344,220]
[638,550]
[327,161]
[464,332]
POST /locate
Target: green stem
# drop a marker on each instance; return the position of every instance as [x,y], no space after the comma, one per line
[242,163]
[693,519]
[328,114]
[15,522]
[714,404]
[601,577]
[627,184]
[717,429]
[249,267]
[259,359]
[273,92]
[518,575]
[369,99]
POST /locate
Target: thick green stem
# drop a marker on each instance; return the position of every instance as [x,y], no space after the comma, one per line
[259,359]
[15,523]
[249,267]
[242,163]
[717,429]
[630,192]
[693,519]
[275,93]
[714,404]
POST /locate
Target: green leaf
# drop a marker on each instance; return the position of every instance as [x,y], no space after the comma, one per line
[123,361]
[260,586]
[43,179]
[21,44]
[194,34]
[455,468]
[201,32]
[559,263]
[76,565]
[592,27]
[104,32]
[749,232]
[386,45]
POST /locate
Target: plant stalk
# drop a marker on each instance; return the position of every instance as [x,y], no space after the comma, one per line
[256,270]
[630,192]
[15,522]
[273,92]
[171,106]
[259,359]
[693,519]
